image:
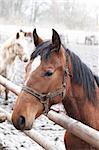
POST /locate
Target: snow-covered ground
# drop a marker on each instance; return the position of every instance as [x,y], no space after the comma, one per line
[10,138]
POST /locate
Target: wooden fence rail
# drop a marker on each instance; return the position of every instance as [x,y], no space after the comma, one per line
[11,86]
[77,128]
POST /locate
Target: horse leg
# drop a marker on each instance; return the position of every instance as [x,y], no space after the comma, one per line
[6,94]
[2,117]
[2,90]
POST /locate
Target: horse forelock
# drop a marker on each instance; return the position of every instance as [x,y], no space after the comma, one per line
[43,49]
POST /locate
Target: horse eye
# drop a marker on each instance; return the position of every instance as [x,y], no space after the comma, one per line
[48,73]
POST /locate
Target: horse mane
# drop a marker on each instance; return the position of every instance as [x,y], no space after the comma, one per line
[83,76]
[97,79]
[8,43]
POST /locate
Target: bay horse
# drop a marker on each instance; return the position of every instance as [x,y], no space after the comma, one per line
[54,74]
[16,46]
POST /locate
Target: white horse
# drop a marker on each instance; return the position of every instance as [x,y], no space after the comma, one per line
[20,46]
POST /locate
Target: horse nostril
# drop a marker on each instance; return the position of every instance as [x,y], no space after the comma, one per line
[21,123]
[25,59]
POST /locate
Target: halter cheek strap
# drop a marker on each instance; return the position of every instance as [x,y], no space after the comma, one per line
[45,98]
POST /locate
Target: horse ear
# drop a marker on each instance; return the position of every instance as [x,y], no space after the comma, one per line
[37,39]
[25,33]
[56,40]
[17,35]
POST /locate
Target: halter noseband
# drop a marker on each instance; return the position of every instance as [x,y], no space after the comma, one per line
[45,98]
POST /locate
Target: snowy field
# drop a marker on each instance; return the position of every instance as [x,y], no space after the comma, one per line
[10,138]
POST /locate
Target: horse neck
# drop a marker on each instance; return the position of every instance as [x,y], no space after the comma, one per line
[7,54]
[5,59]
[11,55]
[70,100]
[8,42]
[76,103]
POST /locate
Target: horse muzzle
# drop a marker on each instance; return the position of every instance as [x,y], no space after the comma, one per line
[20,124]
[25,59]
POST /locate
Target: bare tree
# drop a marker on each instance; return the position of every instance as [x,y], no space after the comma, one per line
[70,13]
[37,10]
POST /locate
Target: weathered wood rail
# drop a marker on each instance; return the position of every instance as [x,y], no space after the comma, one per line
[77,128]
[11,86]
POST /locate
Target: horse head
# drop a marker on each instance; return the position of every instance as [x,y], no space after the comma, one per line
[23,45]
[45,81]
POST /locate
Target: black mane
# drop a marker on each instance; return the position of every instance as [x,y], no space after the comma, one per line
[97,79]
[82,75]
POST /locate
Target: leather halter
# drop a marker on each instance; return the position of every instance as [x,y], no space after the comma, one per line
[45,98]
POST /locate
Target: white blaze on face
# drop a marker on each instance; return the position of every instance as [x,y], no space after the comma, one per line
[36,63]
